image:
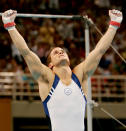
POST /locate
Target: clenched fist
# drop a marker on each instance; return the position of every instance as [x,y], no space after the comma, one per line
[116,18]
[8,18]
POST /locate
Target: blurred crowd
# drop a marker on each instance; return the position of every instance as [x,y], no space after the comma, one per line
[42,34]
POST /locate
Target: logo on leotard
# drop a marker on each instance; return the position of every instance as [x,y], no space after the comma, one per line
[67,91]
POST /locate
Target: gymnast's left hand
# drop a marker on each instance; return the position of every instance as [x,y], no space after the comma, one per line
[116,18]
[9,16]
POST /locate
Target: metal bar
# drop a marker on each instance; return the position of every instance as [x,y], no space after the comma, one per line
[99,91]
[113,117]
[89,95]
[47,16]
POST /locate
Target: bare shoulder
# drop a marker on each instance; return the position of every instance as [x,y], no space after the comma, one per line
[79,72]
[44,89]
[45,83]
[46,75]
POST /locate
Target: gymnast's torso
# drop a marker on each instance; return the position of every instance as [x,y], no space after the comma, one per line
[65,105]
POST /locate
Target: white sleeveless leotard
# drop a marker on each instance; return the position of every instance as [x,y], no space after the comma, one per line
[65,105]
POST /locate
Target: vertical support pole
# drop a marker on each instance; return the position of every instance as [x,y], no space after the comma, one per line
[89,96]
[14,88]
[125,91]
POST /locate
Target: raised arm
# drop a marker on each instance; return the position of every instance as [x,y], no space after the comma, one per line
[87,67]
[37,69]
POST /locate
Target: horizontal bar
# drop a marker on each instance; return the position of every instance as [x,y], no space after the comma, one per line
[47,16]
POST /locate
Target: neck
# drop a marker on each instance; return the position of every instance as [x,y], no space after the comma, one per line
[63,63]
[64,72]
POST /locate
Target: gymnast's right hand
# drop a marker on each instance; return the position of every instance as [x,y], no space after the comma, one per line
[8,18]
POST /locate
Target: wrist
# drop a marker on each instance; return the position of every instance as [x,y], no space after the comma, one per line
[113,27]
[114,24]
[9,26]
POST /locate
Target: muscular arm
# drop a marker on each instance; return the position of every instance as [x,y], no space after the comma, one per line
[92,61]
[87,67]
[37,69]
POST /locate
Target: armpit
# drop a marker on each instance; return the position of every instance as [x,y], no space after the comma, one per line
[37,75]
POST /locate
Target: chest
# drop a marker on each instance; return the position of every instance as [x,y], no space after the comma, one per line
[67,95]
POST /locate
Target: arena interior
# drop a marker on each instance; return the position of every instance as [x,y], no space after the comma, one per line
[20,106]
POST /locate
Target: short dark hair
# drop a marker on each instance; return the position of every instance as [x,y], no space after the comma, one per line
[48,60]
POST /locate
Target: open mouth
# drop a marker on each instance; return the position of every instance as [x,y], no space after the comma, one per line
[61,55]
